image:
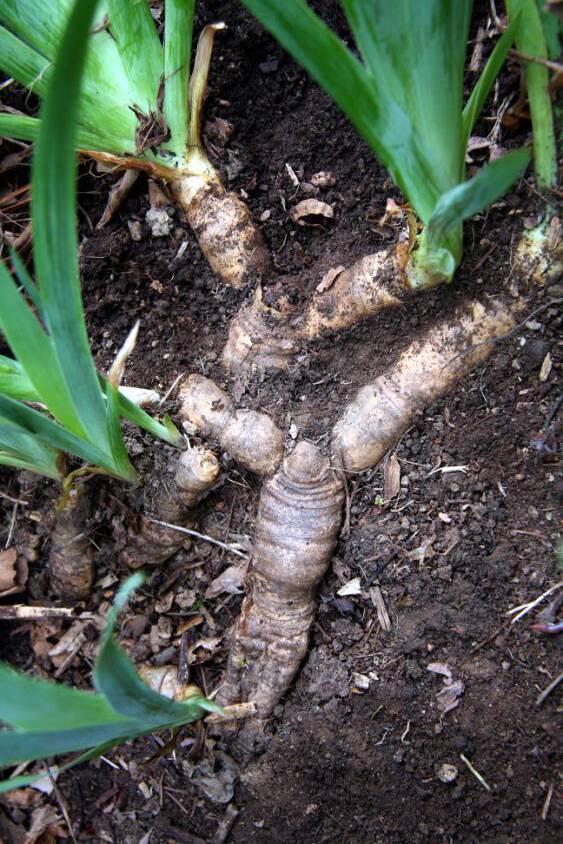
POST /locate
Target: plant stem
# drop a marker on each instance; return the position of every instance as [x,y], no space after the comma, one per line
[530,40]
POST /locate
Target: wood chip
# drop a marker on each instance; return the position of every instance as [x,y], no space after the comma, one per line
[382,615]
[13,572]
[546,367]
[392,478]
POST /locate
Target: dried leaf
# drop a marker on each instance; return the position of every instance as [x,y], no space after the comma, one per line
[393,211]
[215,777]
[219,130]
[353,587]
[329,278]
[448,697]
[230,581]
[157,197]
[117,195]
[308,208]
[392,478]
[440,668]
[546,367]
[45,825]
[8,571]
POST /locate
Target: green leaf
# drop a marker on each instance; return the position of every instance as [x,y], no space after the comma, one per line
[133,28]
[41,24]
[118,450]
[15,383]
[415,53]
[481,91]
[116,678]
[55,436]
[178,28]
[34,351]
[24,63]
[55,245]
[34,705]
[467,199]
[373,103]
[530,40]
[23,747]
[23,451]
[165,430]
[552,28]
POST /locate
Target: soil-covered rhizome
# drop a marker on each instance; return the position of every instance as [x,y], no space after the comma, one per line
[451,553]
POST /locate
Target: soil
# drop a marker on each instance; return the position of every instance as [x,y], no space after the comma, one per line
[355,752]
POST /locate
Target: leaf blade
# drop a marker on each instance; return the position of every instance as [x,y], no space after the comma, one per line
[178,30]
[472,196]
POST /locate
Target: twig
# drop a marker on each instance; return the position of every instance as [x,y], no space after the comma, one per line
[22,611]
[62,804]
[548,690]
[547,801]
[524,609]
[555,66]
[475,772]
[12,526]
[204,536]
[224,826]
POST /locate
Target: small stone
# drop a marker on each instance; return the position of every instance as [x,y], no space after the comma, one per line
[159,222]
[447,773]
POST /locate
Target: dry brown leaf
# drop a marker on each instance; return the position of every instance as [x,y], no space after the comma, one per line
[329,278]
[157,197]
[440,668]
[391,478]
[46,827]
[310,208]
[117,195]
[393,211]
[13,572]
[230,581]
[448,697]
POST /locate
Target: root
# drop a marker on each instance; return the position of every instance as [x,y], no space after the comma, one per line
[173,500]
[429,368]
[250,437]
[259,338]
[297,525]
[70,559]
[262,338]
[359,292]
[226,232]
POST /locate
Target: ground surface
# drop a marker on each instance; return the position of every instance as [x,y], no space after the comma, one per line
[357,746]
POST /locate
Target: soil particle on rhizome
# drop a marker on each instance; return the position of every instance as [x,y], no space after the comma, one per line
[356,751]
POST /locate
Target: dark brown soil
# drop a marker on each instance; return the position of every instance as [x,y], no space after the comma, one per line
[452,553]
